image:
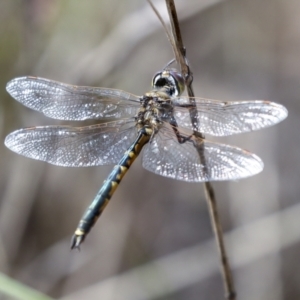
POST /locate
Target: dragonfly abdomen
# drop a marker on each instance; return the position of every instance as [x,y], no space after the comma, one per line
[109,186]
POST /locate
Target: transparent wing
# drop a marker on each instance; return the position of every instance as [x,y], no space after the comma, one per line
[165,156]
[69,102]
[100,144]
[222,118]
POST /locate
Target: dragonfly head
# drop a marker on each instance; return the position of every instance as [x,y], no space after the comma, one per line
[170,80]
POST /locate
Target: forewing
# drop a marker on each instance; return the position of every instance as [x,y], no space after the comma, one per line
[220,118]
[69,102]
[100,144]
[165,156]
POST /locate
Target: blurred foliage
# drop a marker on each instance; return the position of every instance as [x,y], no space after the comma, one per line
[16,290]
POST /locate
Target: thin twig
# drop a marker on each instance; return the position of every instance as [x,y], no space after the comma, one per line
[165,27]
[209,192]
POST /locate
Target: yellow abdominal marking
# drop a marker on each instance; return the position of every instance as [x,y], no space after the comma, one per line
[122,170]
[79,232]
[131,154]
[113,187]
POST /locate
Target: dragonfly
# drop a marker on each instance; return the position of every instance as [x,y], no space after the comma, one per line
[159,123]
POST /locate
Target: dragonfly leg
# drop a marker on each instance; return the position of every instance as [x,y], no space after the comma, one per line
[181,139]
[169,63]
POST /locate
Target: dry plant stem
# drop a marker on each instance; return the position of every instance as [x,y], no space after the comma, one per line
[209,192]
[216,224]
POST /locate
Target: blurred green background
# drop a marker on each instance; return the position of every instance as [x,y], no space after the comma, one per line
[154,240]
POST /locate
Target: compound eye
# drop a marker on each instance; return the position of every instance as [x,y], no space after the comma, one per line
[159,81]
[178,82]
[171,79]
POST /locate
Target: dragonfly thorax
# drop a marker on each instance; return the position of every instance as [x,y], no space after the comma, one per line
[155,109]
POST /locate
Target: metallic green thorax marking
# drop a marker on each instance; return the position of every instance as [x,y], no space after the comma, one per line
[110,184]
